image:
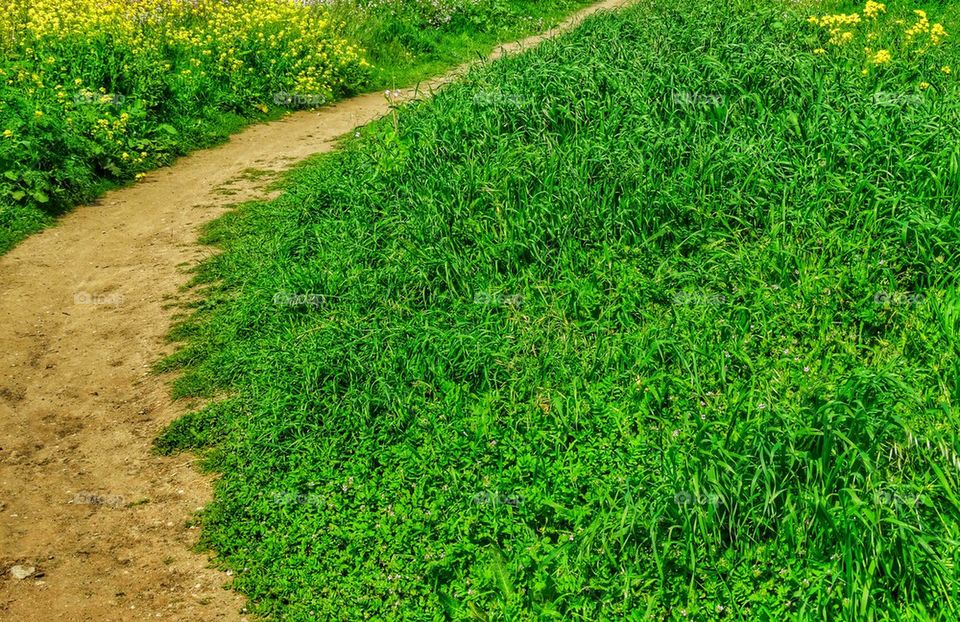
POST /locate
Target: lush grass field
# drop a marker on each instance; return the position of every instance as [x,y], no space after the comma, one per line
[94,92]
[658,321]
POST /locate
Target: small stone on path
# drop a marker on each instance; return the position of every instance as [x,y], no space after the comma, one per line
[22,572]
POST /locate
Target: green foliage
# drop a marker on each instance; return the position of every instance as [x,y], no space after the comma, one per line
[200,429]
[410,40]
[660,320]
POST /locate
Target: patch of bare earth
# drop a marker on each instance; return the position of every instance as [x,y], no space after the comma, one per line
[93,525]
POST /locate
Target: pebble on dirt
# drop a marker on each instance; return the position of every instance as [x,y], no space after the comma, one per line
[22,572]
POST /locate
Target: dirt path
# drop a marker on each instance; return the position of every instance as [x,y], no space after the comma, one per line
[84,308]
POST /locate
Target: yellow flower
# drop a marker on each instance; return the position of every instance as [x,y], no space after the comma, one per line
[874,8]
[820,51]
[8,133]
[924,86]
[937,34]
[922,25]
[38,113]
[946,69]
[882,57]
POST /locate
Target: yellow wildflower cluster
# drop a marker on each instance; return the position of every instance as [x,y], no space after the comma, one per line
[881,57]
[118,86]
[837,26]
[872,9]
[937,34]
[211,36]
[921,27]
[832,21]
[898,38]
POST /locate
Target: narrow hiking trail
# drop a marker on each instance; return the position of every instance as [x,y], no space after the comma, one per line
[84,310]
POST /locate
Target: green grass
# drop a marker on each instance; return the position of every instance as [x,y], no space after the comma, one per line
[58,156]
[660,320]
[414,42]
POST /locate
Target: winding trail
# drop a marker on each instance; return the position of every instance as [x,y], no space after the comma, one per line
[84,310]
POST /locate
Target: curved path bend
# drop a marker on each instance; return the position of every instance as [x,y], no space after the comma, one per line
[84,310]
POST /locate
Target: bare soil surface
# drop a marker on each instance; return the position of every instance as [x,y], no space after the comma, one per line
[103,522]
